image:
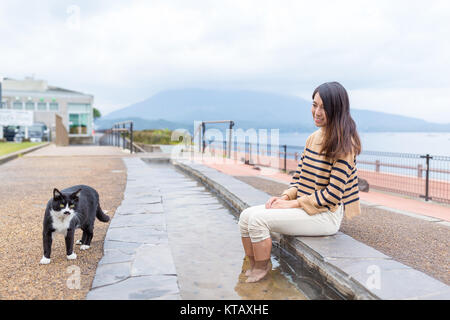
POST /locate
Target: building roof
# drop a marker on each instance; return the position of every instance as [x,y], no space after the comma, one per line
[31,88]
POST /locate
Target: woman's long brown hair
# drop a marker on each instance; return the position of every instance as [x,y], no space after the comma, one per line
[340,134]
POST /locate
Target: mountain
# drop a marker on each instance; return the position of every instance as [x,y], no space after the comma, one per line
[248,109]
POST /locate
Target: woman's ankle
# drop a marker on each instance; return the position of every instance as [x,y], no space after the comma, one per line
[251,259]
[261,265]
[250,265]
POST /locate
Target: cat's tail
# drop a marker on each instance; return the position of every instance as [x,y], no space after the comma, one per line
[101,215]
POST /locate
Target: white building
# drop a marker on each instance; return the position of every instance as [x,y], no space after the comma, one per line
[45,101]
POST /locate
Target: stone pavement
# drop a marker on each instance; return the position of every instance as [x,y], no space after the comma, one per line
[79,151]
[137,261]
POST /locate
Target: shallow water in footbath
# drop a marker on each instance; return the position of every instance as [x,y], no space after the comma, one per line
[206,245]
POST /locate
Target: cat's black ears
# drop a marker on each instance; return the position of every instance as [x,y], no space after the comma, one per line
[56,193]
[76,194]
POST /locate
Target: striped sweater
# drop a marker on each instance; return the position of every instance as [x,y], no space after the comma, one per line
[320,184]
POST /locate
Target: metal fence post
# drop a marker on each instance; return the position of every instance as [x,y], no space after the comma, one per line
[427,177]
[203,138]
[131,137]
[285,154]
[229,139]
[224,148]
[245,154]
[123,136]
[117,134]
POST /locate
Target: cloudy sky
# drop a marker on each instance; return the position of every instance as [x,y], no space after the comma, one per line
[392,56]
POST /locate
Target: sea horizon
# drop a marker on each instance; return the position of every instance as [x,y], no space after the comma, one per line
[433,143]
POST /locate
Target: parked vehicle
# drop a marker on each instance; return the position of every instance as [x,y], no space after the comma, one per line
[9,132]
[20,135]
[38,132]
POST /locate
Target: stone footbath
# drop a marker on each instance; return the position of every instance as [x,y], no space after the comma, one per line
[206,246]
[172,238]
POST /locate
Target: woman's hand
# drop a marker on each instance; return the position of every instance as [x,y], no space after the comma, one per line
[270,202]
[284,204]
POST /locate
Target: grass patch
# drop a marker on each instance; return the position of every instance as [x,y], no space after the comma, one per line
[10,147]
[157,136]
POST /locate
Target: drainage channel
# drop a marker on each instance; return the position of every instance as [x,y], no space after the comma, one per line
[206,246]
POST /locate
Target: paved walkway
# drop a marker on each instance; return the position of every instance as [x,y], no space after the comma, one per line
[79,151]
[420,243]
[137,261]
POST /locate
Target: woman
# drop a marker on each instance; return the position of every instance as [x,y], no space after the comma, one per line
[324,186]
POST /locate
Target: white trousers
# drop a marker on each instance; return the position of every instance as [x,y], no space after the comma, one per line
[257,222]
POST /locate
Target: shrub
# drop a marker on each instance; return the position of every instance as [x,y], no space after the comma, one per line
[154,136]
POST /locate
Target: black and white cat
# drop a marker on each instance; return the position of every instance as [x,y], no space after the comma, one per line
[69,209]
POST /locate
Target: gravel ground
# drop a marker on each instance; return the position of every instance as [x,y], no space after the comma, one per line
[27,185]
[419,244]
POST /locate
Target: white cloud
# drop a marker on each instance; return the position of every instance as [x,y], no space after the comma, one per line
[124,51]
[430,104]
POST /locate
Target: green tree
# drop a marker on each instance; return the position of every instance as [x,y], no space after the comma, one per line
[97,114]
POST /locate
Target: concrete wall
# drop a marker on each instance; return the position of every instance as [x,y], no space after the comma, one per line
[61,136]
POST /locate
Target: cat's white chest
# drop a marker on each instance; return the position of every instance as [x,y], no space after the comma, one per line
[61,222]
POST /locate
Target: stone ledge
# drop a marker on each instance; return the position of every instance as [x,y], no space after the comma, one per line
[353,269]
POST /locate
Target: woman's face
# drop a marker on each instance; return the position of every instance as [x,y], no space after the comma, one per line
[318,112]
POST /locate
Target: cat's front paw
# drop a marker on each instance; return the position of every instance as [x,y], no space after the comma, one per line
[44,260]
[73,256]
[84,247]
[78,242]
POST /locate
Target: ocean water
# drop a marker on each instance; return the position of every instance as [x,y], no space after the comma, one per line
[433,143]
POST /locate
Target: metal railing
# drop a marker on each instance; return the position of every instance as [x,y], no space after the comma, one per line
[120,135]
[425,176]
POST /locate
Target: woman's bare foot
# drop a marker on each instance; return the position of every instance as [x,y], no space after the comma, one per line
[257,274]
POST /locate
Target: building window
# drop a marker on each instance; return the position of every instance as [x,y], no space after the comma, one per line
[18,105]
[54,106]
[3,105]
[80,118]
[78,123]
[29,105]
[42,106]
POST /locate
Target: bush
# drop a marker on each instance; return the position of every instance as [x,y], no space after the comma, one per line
[155,136]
